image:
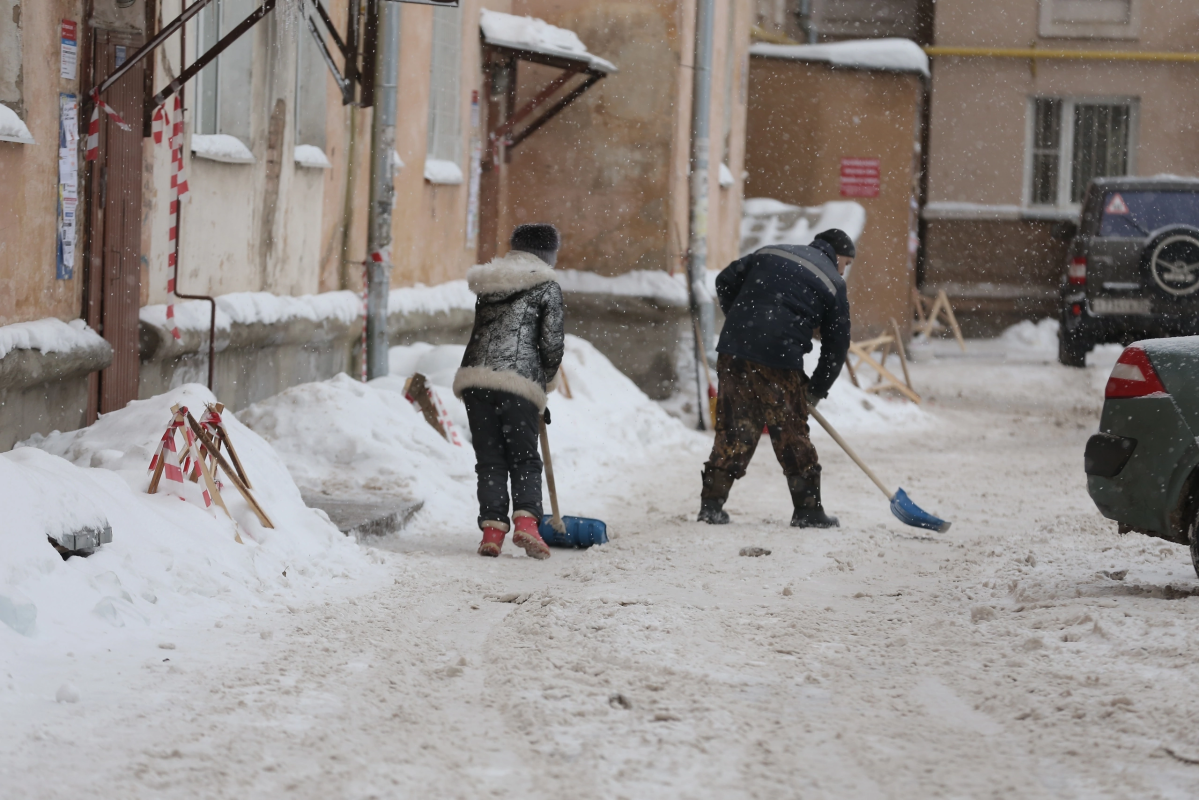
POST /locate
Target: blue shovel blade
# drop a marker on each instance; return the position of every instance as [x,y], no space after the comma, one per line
[581,532]
[909,513]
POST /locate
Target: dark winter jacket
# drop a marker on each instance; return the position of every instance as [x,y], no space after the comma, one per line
[517,342]
[773,299]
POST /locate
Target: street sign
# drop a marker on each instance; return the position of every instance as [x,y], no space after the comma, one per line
[860,177]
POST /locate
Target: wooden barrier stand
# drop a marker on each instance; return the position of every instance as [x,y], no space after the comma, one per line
[929,311]
[881,346]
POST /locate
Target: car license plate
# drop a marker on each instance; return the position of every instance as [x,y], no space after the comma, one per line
[1120,305]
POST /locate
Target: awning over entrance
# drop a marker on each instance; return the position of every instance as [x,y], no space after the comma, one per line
[508,40]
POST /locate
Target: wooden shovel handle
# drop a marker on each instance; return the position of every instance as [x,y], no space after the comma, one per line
[557,522]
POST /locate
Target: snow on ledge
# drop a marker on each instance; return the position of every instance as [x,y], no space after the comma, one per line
[12,129]
[311,156]
[443,172]
[49,336]
[397,163]
[892,55]
[726,176]
[650,284]
[538,36]
[221,147]
[421,299]
[264,308]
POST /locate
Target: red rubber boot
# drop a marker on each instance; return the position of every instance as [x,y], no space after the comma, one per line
[528,538]
[493,540]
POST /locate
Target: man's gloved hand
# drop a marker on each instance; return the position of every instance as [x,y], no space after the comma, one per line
[545,415]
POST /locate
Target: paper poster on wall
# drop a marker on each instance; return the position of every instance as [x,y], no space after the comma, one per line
[860,177]
[69,61]
[68,184]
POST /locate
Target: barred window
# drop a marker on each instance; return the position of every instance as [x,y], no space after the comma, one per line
[1074,141]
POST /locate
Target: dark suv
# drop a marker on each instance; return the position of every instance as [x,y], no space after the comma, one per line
[1132,268]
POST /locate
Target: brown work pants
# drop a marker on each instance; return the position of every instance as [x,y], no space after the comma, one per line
[752,396]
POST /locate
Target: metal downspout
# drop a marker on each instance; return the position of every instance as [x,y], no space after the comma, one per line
[702,313]
[382,193]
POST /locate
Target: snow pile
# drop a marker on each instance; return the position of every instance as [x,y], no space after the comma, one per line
[1028,335]
[654,285]
[169,560]
[891,55]
[49,336]
[347,440]
[849,408]
[257,308]
[344,439]
[529,33]
[439,299]
[221,147]
[767,222]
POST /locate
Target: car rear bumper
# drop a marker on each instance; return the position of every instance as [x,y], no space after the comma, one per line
[1145,477]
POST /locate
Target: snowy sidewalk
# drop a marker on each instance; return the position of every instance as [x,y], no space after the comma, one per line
[872,661]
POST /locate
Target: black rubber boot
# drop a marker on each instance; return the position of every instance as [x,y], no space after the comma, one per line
[711,511]
[717,483]
[805,494]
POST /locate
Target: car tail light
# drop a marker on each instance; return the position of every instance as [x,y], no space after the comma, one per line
[1077,273]
[1133,376]
[1076,309]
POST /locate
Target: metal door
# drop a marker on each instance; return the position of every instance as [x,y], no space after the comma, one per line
[115,199]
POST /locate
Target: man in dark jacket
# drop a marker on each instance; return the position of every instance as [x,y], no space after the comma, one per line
[514,352]
[773,300]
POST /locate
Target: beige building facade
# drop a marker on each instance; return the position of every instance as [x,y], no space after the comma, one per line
[279,170]
[1015,136]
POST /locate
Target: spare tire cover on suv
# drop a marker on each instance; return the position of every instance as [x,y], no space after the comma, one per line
[1171,260]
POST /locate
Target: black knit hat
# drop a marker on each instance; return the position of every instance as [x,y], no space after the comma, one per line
[536,238]
[840,241]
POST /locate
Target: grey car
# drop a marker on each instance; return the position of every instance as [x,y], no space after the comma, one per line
[1132,268]
[1143,465]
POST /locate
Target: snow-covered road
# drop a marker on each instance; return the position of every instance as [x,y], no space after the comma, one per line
[997,660]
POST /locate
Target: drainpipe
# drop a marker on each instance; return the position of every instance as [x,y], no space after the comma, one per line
[382,194]
[702,314]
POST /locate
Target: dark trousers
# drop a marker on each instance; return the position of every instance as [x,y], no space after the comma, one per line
[753,396]
[504,429]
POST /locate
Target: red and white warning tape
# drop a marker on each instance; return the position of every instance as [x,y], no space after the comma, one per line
[160,121]
[168,451]
[93,125]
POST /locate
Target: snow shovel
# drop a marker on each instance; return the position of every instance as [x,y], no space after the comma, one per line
[902,506]
[559,531]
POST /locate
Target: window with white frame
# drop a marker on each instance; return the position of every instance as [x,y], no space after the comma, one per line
[1086,19]
[444,151]
[1072,141]
[224,86]
[311,85]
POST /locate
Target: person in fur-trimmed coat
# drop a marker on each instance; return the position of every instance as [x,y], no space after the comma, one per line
[514,353]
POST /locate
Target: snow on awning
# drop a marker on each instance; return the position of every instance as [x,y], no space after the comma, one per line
[533,35]
[887,55]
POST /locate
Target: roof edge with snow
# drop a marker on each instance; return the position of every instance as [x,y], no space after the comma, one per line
[883,55]
[534,35]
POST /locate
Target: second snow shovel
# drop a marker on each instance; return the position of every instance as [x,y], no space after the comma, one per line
[557,530]
[902,506]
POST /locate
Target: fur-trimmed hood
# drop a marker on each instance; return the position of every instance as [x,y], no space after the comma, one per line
[510,273]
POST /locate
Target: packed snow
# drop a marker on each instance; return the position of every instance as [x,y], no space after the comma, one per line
[767,222]
[49,336]
[439,170]
[654,285]
[529,33]
[421,299]
[891,55]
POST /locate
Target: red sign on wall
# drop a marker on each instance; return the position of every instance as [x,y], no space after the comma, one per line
[859,177]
